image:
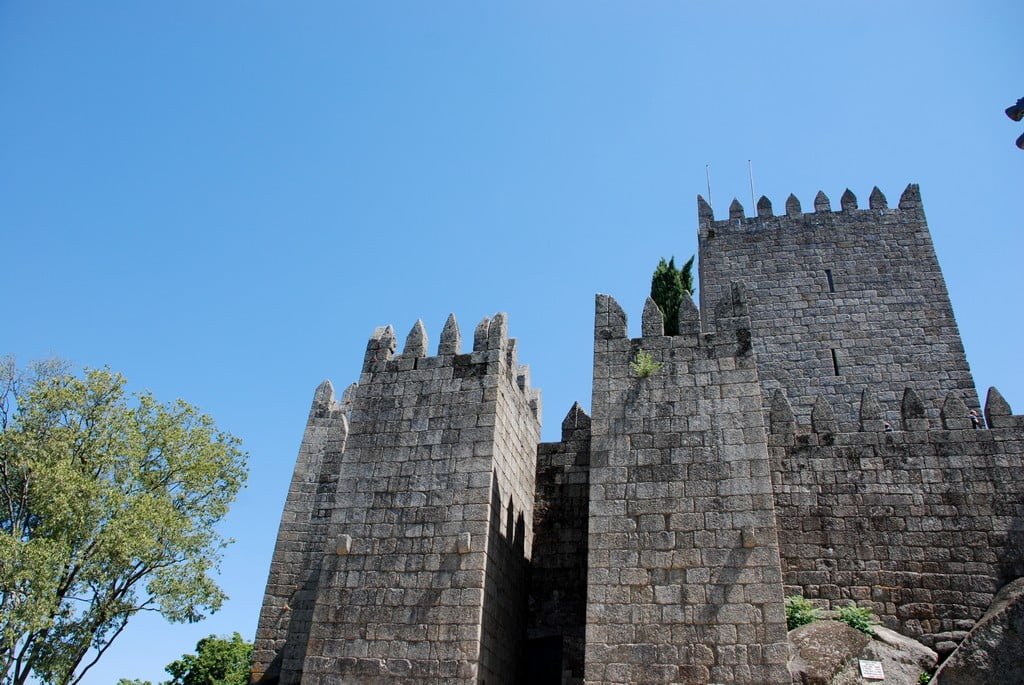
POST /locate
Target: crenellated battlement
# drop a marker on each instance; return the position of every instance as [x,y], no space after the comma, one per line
[913,417]
[764,218]
[724,327]
[812,428]
[915,517]
[494,352]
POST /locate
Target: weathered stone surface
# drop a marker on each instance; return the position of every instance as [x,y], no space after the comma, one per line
[997,410]
[683,570]
[823,418]
[993,652]
[871,418]
[736,210]
[451,339]
[903,659]
[840,302]
[416,341]
[877,199]
[954,413]
[829,653]
[793,206]
[848,201]
[689,316]
[558,588]
[822,650]
[653,322]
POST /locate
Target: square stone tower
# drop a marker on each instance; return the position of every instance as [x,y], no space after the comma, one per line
[684,580]
[419,574]
[840,301]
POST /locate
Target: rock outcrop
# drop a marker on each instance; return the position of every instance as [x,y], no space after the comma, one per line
[993,652]
[829,653]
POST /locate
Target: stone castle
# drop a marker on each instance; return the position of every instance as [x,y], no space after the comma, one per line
[809,430]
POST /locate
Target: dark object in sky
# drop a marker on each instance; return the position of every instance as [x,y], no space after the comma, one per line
[1016,112]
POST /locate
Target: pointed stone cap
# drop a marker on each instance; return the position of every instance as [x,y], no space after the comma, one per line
[523,377]
[705,213]
[348,397]
[380,346]
[653,322]
[609,318]
[912,412]
[576,419]
[911,197]
[497,332]
[954,413]
[736,210]
[877,200]
[997,410]
[822,203]
[416,341]
[323,400]
[512,353]
[480,334]
[793,206]
[780,417]
[764,207]
[823,418]
[534,400]
[451,339]
[848,201]
[870,412]
[689,316]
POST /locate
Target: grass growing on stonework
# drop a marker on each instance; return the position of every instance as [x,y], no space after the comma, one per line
[857,617]
[643,364]
[800,612]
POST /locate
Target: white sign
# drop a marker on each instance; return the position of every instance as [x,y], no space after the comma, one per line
[871,670]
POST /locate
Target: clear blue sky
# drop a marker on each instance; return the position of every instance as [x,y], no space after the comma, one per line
[223,199]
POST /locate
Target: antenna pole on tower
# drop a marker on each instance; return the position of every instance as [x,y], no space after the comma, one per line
[750,172]
[707,173]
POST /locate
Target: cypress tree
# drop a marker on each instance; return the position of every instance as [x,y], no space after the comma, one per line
[686,276]
[668,284]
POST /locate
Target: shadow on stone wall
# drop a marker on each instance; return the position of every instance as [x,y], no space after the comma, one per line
[504,614]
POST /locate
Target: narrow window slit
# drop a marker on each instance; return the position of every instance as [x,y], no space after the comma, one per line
[831,283]
[835,362]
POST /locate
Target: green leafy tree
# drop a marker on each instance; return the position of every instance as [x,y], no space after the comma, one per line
[217,661]
[668,286]
[107,508]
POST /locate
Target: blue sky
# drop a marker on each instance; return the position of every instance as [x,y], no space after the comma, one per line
[222,199]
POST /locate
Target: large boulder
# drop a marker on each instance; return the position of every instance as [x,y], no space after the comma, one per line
[829,653]
[993,652]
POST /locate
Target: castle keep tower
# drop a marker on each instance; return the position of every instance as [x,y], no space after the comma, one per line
[840,300]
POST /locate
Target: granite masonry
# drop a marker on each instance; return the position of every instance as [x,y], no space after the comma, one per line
[812,429]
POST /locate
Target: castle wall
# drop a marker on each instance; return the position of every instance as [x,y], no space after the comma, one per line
[287,609]
[413,570]
[922,524]
[558,578]
[428,538]
[840,301]
[684,582]
[510,543]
